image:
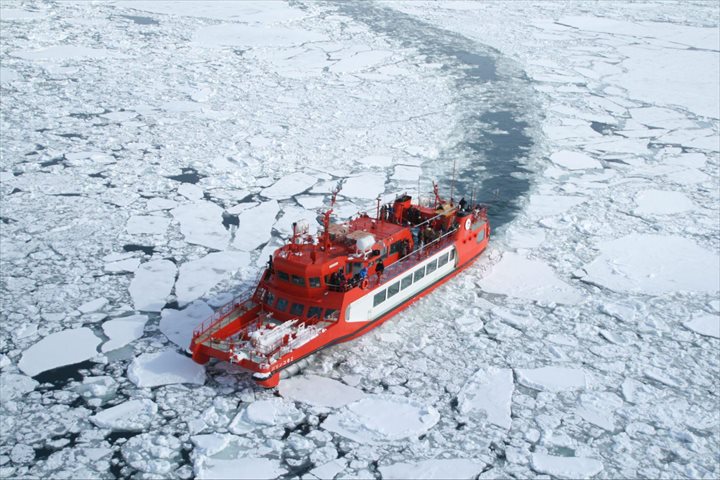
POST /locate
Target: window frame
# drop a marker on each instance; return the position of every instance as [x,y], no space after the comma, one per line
[294,311]
[314,282]
[284,306]
[312,313]
[297,280]
[284,276]
[383,293]
[402,282]
[389,289]
[428,269]
[421,272]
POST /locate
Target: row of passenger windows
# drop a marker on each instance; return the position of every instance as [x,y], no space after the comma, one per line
[408,280]
[297,309]
[314,282]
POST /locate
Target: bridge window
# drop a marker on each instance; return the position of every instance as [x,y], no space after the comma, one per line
[443,260]
[314,282]
[419,274]
[281,304]
[269,299]
[379,298]
[314,312]
[395,247]
[298,280]
[331,314]
[481,236]
[407,281]
[431,267]
[283,276]
[297,309]
[393,289]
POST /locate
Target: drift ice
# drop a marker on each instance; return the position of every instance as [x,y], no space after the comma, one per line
[318,292]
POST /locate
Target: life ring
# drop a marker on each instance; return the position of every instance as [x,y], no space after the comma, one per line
[467,224]
[364,284]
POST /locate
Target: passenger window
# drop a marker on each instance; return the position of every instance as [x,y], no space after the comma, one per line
[481,236]
[443,260]
[379,298]
[281,304]
[314,282]
[297,309]
[283,276]
[431,267]
[407,281]
[298,280]
[393,289]
[419,274]
[452,254]
[314,312]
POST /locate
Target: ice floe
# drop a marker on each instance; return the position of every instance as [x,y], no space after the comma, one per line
[201,224]
[164,368]
[382,418]
[662,202]
[53,351]
[574,160]
[654,264]
[198,277]
[705,324]
[255,225]
[319,391]
[122,331]
[93,305]
[263,413]
[289,186]
[490,391]
[552,379]
[537,282]
[566,467]
[254,36]
[153,453]
[123,266]
[151,285]
[366,185]
[548,205]
[147,224]
[133,415]
[435,469]
[178,325]
[243,468]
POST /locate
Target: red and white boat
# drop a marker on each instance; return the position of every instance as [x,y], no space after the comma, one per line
[319,291]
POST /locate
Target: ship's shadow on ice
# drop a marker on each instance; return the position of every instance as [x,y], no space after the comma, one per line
[496,105]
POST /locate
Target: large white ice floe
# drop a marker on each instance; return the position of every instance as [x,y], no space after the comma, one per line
[133,415]
[289,186]
[707,324]
[147,224]
[58,349]
[164,368]
[255,225]
[566,467]
[178,325]
[654,264]
[662,202]
[151,285]
[598,408]
[273,411]
[319,391]
[537,281]
[435,469]
[243,468]
[542,205]
[66,52]
[382,418]
[574,160]
[489,390]
[365,185]
[253,36]
[552,379]
[123,330]
[198,277]
[201,224]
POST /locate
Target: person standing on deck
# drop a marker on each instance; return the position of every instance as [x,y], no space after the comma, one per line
[379,269]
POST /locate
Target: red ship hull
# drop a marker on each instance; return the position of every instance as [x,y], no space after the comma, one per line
[423,247]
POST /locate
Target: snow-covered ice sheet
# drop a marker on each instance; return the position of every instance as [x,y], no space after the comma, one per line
[123,330]
[705,324]
[250,468]
[164,368]
[58,349]
[654,264]
[133,415]
[178,325]
[151,285]
[382,418]
[490,391]
[255,225]
[553,379]
[436,469]
[566,467]
[319,391]
[198,277]
[537,282]
[201,224]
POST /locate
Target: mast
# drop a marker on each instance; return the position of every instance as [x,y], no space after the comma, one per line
[326,218]
[452,184]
